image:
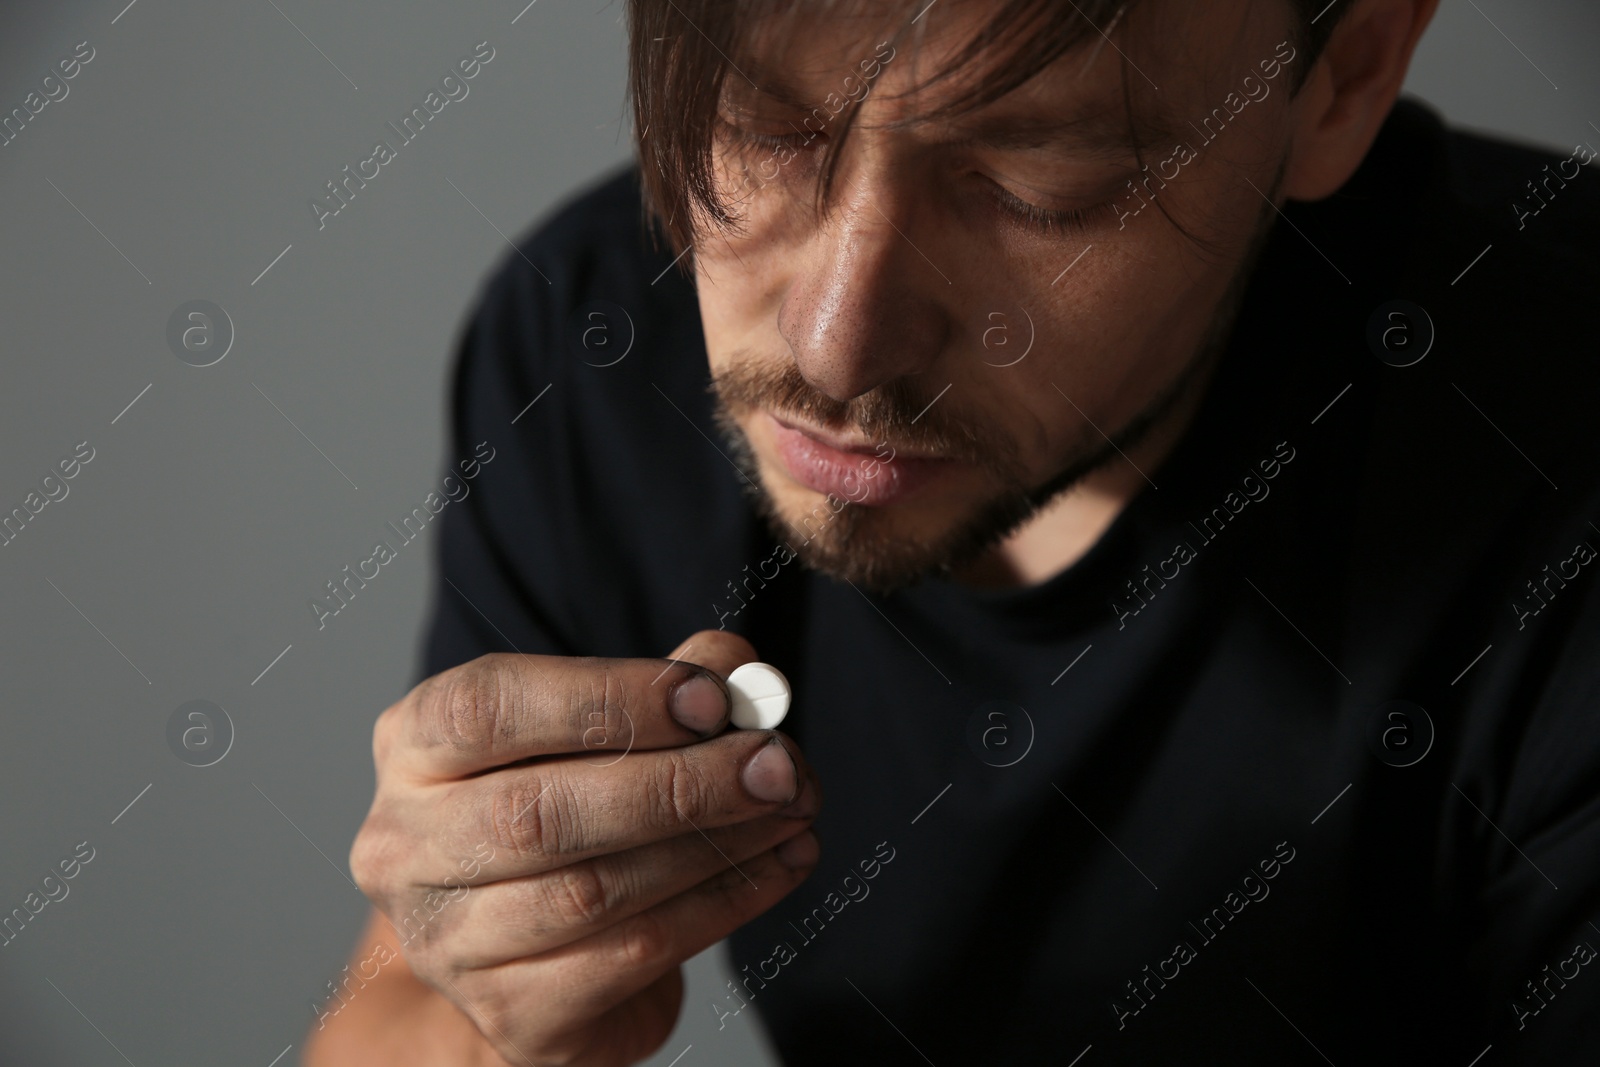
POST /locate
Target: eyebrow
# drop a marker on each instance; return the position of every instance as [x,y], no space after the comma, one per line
[774,88]
[1099,132]
[1094,130]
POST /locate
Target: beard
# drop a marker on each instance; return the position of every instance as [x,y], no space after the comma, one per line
[861,544]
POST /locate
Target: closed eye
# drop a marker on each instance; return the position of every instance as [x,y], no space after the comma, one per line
[1047,220]
[772,142]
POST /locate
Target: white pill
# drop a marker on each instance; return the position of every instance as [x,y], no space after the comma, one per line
[760,696]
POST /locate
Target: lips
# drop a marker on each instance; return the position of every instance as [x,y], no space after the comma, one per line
[869,475]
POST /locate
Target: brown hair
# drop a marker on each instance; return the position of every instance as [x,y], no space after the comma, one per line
[680,53]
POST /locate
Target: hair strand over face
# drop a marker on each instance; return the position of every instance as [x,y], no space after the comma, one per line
[681,54]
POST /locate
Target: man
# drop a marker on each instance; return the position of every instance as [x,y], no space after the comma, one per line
[1160,463]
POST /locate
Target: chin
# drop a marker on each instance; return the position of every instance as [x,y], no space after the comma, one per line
[886,548]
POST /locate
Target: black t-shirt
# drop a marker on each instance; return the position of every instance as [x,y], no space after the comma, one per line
[1300,762]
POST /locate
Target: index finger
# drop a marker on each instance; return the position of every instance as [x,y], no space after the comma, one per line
[504,708]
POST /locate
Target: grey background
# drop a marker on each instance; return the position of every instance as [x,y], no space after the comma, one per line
[180,563]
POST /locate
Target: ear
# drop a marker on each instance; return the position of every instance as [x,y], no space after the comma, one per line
[1349,92]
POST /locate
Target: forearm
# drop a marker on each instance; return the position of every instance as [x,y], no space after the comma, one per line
[394,1020]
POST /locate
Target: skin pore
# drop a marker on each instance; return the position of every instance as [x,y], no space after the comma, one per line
[831,333]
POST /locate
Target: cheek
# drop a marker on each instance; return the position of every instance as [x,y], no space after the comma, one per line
[1110,336]
[741,283]
[738,307]
[1046,436]
[1155,347]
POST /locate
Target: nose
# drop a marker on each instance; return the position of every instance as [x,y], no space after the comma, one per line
[865,305]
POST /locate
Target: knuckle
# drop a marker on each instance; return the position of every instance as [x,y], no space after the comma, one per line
[422,926]
[373,861]
[488,1002]
[547,1049]
[468,708]
[398,725]
[364,864]
[577,896]
[646,941]
[681,789]
[383,739]
[526,818]
[597,706]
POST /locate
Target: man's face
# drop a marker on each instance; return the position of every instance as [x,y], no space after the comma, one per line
[987,299]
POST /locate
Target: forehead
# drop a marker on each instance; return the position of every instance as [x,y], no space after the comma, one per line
[1090,91]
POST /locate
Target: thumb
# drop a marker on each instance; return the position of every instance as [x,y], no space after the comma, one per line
[716,650]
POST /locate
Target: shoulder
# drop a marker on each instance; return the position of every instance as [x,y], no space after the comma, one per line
[1455,468]
[594,245]
[1495,414]
[1475,521]
[583,362]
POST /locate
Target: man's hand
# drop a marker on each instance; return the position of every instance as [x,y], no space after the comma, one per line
[552,837]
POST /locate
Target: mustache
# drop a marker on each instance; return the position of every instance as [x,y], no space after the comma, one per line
[897,412]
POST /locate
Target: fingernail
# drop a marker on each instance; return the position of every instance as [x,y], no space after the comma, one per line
[698,704]
[799,851]
[770,774]
[807,804]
